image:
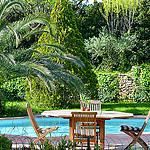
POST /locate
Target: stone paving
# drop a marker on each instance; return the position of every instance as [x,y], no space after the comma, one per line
[120,140]
[113,141]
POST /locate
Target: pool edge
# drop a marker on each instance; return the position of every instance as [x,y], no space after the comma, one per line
[39,115]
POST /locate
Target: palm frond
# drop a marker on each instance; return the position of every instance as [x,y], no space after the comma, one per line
[58,48]
[43,73]
[29,34]
[26,69]
[22,28]
[21,62]
[49,84]
[26,22]
[37,67]
[2,25]
[69,58]
[68,79]
[7,5]
[61,54]
[50,64]
[8,58]
[23,55]
[74,59]
[16,35]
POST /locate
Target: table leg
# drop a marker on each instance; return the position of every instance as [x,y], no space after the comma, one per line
[70,130]
[102,132]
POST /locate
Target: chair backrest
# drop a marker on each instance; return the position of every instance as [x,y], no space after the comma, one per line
[32,119]
[84,124]
[94,105]
[146,121]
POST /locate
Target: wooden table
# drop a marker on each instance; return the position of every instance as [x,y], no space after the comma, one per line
[100,118]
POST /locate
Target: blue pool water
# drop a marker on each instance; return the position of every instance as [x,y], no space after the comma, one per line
[23,126]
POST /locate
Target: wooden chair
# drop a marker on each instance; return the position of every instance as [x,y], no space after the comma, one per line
[94,105]
[135,133]
[84,125]
[40,132]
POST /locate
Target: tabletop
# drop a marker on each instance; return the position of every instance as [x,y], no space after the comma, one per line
[100,115]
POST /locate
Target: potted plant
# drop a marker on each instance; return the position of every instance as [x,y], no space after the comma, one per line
[82,103]
[88,103]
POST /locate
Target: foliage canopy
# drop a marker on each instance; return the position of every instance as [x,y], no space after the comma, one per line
[19,61]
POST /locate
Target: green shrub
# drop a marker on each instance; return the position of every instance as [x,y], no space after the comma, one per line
[13,89]
[14,109]
[108,87]
[5,143]
[141,86]
[61,98]
[109,53]
[63,144]
[2,103]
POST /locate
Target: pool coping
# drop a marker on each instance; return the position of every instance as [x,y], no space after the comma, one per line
[22,117]
[39,115]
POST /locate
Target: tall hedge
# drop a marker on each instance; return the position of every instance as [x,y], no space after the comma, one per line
[108,87]
[141,86]
[67,34]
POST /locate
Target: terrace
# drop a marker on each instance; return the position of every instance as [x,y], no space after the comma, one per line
[112,140]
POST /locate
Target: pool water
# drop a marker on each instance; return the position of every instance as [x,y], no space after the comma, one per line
[24,127]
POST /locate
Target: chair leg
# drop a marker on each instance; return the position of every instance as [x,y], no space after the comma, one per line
[136,139]
[35,141]
[142,143]
[133,141]
[42,139]
[130,145]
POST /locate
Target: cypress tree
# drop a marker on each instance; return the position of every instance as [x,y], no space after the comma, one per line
[68,35]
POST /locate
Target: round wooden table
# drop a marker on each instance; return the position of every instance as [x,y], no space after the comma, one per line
[100,119]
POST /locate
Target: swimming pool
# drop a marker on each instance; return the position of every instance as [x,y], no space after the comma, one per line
[23,126]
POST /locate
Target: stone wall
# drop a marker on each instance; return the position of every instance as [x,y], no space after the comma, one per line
[125,85]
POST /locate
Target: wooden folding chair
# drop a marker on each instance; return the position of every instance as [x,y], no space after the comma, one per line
[135,133]
[84,125]
[40,132]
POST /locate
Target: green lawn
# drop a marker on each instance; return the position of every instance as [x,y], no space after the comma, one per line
[19,108]
[135,108]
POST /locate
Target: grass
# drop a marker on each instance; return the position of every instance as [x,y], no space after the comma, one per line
[14,109]
[135,108]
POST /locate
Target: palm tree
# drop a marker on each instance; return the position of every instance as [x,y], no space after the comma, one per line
[18,61]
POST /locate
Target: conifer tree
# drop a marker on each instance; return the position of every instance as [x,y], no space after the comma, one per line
[68,35]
